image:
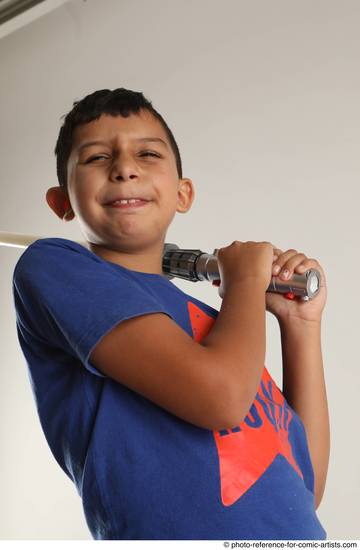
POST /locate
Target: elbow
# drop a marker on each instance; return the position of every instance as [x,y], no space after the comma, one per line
[228,401]
[231,410]
[238,397]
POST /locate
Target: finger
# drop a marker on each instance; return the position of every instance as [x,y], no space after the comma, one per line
[281,259]
[307,263]
[277,253]
[290,265]
[287,263]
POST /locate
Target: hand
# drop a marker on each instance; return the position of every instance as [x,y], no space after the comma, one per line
[242,261]
[282,307]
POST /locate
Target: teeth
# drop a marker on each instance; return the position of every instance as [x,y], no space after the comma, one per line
[126,201]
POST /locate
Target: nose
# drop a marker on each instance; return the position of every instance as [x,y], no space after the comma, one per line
[123,169]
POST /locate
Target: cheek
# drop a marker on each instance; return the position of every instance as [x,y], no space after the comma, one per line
[171,207]
[169,202]
[85,190]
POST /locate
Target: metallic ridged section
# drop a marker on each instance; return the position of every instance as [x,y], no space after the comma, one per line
[180,263]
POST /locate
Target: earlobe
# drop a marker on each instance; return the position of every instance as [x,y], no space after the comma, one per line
[58,201]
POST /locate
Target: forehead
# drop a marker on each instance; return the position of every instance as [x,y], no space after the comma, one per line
[114,128]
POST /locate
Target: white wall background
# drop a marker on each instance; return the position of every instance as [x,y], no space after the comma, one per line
[263,99]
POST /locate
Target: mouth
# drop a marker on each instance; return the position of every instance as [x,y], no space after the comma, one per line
[131,205]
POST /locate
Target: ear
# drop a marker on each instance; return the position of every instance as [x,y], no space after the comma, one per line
[58,200]
[186,195]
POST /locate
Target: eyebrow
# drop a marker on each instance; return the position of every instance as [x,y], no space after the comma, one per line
[99,142]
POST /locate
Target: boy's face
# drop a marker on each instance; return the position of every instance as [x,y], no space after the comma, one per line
[125,165]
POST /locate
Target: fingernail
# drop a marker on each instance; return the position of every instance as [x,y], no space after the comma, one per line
[285,274]
[276,269]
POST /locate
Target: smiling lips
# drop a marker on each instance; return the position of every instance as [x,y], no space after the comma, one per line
[127,203]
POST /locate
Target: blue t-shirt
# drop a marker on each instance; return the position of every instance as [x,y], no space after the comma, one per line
[142,472]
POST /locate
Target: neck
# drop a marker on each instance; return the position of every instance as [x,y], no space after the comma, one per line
[147,260]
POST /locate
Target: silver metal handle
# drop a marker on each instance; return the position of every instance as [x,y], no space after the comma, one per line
[195,265]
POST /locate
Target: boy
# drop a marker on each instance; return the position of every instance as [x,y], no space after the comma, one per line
[157,406]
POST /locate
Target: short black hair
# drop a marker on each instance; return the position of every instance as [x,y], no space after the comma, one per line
[111,102]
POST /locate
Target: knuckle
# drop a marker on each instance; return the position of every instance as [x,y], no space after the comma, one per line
[298,257]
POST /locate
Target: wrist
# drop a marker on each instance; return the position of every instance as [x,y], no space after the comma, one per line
[293,322]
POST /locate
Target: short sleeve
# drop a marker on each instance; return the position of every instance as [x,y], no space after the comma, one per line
[67,297]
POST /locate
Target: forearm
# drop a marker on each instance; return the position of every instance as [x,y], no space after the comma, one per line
[305,391]
[237,342]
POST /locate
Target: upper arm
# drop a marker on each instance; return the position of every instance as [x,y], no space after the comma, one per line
[153,356]
[69,298]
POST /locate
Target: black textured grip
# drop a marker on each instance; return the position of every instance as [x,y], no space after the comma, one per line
[181,263]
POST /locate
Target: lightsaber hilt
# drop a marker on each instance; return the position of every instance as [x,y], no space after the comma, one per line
[196,265]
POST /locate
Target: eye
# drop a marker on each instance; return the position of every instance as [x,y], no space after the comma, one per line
[150,154]
[95,158]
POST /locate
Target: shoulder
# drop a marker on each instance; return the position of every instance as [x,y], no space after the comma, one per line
[58,265]
[54,244]
[51,250]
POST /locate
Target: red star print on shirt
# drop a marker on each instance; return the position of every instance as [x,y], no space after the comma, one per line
[246,451]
